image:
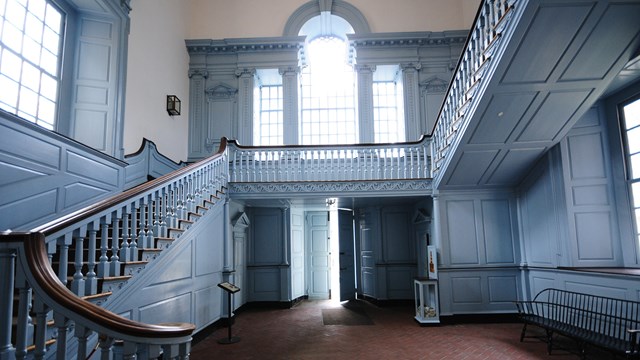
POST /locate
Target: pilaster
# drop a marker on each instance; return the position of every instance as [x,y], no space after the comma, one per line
[290,104]
[197,80]
[365,102]
[411,88]
[245,105]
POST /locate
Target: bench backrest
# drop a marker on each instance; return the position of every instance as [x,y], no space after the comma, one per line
[604,315]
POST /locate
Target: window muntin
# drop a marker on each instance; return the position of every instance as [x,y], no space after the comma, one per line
[631,129]
[30,50]
[269,130]
[388,114]
[328,95]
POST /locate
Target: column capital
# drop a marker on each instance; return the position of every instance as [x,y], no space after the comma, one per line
[363,68]
[198,73]
[410,66]
[245,72]
[288,70]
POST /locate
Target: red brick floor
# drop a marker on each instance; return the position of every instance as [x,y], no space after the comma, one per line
[299,333]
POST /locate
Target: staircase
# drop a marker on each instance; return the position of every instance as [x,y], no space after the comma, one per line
[90,256]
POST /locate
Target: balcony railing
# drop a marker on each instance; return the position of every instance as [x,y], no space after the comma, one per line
[98,242]
[329,162]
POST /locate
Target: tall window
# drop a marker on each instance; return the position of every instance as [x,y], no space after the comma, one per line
[388,105]
[328,95]
[631,126]
[269,129]
[30,49]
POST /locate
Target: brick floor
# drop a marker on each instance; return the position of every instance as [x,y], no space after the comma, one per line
[299,333]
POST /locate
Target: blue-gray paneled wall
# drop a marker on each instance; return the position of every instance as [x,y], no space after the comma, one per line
[479,252]
[189,291]
[267,256]
[45,175]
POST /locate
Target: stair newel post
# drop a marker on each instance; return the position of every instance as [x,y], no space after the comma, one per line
[133,229]
[103,262]
[124,244]
[63,257]
[24,322]
[41,310]
[78,283]
[115,238]
[7,283]
[91,285]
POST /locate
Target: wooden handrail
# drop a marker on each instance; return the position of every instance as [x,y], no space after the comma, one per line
[235,143]
[43,278]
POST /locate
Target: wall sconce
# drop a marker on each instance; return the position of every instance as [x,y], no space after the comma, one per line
[173,105]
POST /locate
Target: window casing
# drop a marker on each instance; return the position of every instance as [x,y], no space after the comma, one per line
[31,34]
[631,134]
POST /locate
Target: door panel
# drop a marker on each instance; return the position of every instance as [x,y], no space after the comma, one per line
[347,268]
[319,261]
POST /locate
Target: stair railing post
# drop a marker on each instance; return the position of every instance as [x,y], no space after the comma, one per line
[78,282]
[130,234]
[61,340]
[103,262]
[115,238]
[91,285]
[124,246]
[42,328]
[24,322]
[7,282]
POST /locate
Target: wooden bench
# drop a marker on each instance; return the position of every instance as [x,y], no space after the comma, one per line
[607,323]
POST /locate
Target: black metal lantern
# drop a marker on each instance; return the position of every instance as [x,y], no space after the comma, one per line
[173,105]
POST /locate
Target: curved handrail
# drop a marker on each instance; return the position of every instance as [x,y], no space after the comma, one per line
[235,143]
[47,285]
[94,209]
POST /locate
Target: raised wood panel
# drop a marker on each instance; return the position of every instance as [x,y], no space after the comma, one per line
[96,29]
[539,283]
[502,289]
[175,309]
[589,119]
[498,239]
[400,282]
[368,283]
[28,208]
[514,163]
[92,128]
[471,166]
[12,174]
[95,63]
[461,230]
[593,232]
[537,55]
[466,290]
[267,237]
[615,31]
[602,289]
[589,195]
[92,95]
[209,256]
[85,167]
[586,153]
[180,267]
[501,116]
[539,222]
[207,305]
[264,284]
[23,145]
[78,193]
[552,115]
[397,239]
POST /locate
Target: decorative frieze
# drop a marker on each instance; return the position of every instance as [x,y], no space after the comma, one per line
[409,39]
[244,45]
[245,190]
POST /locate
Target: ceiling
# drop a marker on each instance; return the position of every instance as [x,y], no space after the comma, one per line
[561,57]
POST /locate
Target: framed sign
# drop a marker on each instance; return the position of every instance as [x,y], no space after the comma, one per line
[229,287]
[432,261]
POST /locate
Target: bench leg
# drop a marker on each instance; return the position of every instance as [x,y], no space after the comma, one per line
[549,340]
[524,328]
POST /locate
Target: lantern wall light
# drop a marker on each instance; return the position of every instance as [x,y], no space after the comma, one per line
[173,105]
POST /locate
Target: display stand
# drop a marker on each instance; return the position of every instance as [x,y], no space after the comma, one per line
[426,301]
[230,289]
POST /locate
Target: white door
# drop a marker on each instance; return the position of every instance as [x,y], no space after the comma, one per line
[347,268]
[319,269]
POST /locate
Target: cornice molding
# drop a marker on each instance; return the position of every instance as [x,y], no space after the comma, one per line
[408,39]
[231,46]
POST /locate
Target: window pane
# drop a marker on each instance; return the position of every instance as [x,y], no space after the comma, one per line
[632,114]
[633,139]
[635,191]
[27,89]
